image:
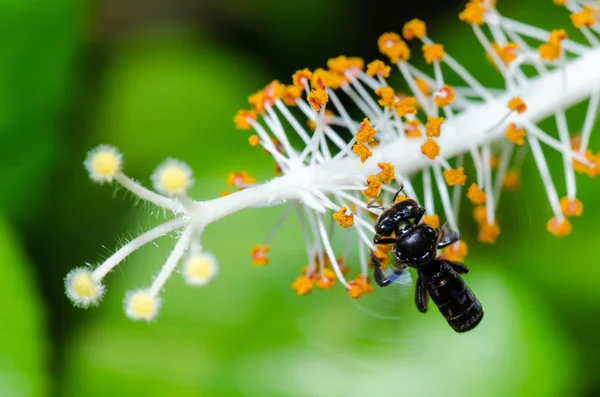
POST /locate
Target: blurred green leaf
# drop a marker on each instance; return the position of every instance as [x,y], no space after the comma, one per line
[36,78]
[23,349]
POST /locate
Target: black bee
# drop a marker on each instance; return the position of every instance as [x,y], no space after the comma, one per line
[416,246]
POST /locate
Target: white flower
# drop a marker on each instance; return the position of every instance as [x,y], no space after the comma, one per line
[428,135]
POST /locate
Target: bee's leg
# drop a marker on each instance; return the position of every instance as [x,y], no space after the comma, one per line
[383,240]
[458,267]
[421,296]
[379,275]
[373,204]
[419,213]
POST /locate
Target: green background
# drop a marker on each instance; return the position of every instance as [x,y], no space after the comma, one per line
[164,79]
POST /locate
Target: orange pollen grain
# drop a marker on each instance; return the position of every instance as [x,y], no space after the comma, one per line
[292,93]
[558,228]
[444,96]
[571,207]
[387,96]
[473,13]
[240,180]
[259,254]
[242,119]
[302,285]
[455,177]
[515,135]
[423,86]
[257,101]
[379,68]
[394,47]
[433,126]
[488,233]
[511,180]
[415,28]
[406,106]
[362,151]
[583,18]
[253,140]
[413,129]
[301,78]
[318,99]
[517,104]
[433,52]
[374,187]
[387,172]
[455,252]
[480,214]
[476,195]
[343,219]
[366,133]
[430,149]
[338,65]
[432,220]
[507,53]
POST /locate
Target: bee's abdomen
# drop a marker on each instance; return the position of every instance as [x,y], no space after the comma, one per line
[454,299]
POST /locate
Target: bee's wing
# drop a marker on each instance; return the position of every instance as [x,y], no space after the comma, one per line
[448,236]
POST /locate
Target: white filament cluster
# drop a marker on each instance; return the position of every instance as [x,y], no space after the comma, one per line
[323,174]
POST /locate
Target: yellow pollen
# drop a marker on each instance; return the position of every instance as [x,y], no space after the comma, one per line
[321,79]
[433,126]
[257,101]
[302,285]
[480,214]
[365,133]
[343,219]
[387,96]
[432,220]
[515,135]
[582,168]
[240,179]
[317,99]
[387,172]
[507,53]
[571,207]
[259,254]
[559,2]
[362,151]
[359,287]
[430,149]
[516,104]
[455,252]
[511,180]
[423,86]
[274,90]
[394,47]
[583,18]
[476,195]
[488,233]
[292,93]
[253,140]
[379,68]
[301,77]
[242,119]
[433,52]
[455,177]
[444,96]
[551,49]
[338,65]
[406,106]
[558,228]
[473,13]
[415,28]
[374,187]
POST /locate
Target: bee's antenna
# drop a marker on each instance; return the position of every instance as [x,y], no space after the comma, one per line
[398,192]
